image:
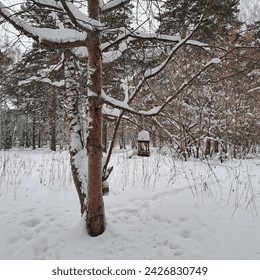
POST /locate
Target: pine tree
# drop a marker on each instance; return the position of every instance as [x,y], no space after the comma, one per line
[115,71]
[180,17]
[8,56]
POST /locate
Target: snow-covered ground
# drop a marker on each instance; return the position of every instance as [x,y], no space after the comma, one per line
[158,208]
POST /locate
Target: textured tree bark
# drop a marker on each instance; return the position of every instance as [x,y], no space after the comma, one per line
[95,206]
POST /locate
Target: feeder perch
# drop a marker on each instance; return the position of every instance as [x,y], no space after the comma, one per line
[143,144]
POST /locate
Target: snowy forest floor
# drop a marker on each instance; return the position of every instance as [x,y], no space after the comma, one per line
[158,208]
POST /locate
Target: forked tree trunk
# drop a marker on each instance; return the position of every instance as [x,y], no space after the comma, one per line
[95,206]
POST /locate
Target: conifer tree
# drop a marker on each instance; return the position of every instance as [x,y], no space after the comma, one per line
[180,16]
[112,80]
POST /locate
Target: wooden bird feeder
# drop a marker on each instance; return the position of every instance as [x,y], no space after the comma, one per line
[143,144]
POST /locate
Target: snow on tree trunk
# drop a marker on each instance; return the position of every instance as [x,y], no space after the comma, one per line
[76,147]
[95,206]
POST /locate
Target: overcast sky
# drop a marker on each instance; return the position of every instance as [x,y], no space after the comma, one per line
[250,10]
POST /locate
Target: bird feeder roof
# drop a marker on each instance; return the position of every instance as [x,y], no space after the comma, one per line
[143,136]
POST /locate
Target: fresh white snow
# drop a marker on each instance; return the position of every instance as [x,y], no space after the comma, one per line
[143,136]
[158,208]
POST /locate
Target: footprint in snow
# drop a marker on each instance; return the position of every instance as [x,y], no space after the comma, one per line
[182,219]
[31,223]
[185,233]
[26,210]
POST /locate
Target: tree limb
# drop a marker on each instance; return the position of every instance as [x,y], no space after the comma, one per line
[112,5]
[79,19]
[58,38]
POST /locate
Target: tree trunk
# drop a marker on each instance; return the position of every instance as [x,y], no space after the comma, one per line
[95,206]
[208,147]
[34,132]
[39,139]
[25,134]
[122,141]
[76,148]
[216,147]
[53,111]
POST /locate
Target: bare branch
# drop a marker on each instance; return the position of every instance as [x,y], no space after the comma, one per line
[131,35]
[155,71]
[180,90]
[166,131]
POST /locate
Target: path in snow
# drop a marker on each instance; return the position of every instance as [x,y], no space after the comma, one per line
[152,213]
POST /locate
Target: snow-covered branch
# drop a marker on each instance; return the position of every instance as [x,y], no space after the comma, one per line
[62,38]
[110,56]
[125,106]
[166,131]
[117,104]
[180,90]
[76,16]
[112,5]
[166,38]
[254,89]
[112,113]
[42,80]
[43,75]
[79,19]
[52,4]
[150,73]
[131,35]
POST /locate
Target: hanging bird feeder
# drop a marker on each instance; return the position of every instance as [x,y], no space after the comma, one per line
[143,144]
